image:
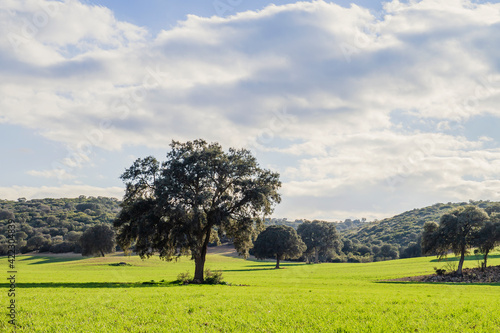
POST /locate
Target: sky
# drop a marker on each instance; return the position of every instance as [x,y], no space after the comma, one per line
[365,108]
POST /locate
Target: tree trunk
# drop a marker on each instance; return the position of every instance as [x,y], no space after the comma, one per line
[461,262]
[199,261]
[316,254]
[485,260]
[199,269]
[102,253]
[277,263]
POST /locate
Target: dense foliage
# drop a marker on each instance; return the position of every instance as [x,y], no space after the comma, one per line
[279,242]
[98,240]
[460,230]
[321,239]
[57,224]
[403,233]
[198,193]
[54,225]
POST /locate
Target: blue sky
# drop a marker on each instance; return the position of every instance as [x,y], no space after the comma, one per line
[366,108]
[164,14]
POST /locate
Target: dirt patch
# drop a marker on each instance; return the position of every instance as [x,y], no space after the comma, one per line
[225,250]
[470,275]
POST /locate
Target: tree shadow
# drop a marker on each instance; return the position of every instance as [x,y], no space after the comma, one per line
[467,258]
[274,264]
[262,267]
[91,285]
[247,270]
[50,259]
[108,285]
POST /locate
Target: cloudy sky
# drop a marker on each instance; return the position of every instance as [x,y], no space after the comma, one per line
[365,108]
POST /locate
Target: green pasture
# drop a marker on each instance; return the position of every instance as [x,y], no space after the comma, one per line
[90,295]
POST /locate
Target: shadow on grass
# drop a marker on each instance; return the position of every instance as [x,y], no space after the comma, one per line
[91,285]
[263,267]
[468,258]
[274,264]
[50,260]
[107,285]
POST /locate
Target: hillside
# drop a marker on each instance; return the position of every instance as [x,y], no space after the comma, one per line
[54,224]
[404,230]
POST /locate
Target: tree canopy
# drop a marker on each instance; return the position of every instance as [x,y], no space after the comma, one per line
[319,237]
[403,231]
[54,225]
[488,237]
[457,232]
[280,242]
[198,193]
[98,240]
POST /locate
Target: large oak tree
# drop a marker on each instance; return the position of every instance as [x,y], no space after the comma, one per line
[199,192]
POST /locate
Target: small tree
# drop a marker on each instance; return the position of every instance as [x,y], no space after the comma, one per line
[6,215]
[348,246]
[319,237]
[457,232]
[430,237]
[37,242]
[98,240]
[489,237]
[413,250]
[280,242]
[73,236]
[387,251]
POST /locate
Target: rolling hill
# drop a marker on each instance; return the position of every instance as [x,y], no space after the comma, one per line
[404,230]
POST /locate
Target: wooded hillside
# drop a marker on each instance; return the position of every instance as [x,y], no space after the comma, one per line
[403,231]
[54,225]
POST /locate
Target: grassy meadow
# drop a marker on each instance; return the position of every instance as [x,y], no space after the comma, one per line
[75,294]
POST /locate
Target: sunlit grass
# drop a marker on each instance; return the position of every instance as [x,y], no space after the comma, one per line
[90,295]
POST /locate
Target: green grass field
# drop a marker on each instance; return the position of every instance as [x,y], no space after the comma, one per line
[89,295]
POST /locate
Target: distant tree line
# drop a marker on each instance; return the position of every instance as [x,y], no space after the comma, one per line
[402,233]
[316,241]
[57,225]
[340,248]
[54,225]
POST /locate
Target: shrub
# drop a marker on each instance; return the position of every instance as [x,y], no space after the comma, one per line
[184,278]
[338,258]
[63,247]
[364,250]
[450,266]
[214,277]
[353,258]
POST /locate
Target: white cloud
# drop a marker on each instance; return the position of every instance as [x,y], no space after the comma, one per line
[340,73]
[64,191]
[234,71]
[54,173]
